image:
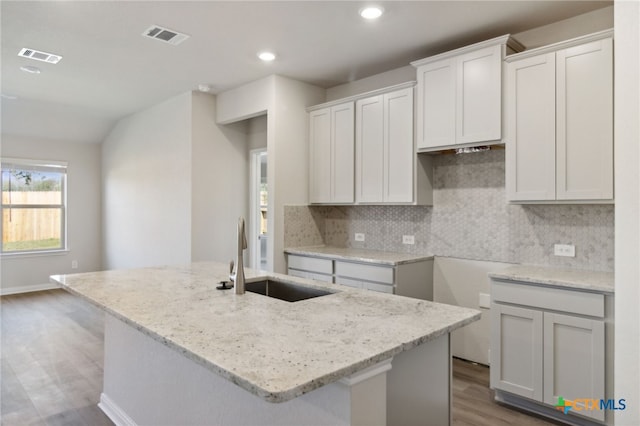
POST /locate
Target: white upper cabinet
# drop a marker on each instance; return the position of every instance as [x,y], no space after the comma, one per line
[584,123]
[331,144]
[479,96]
[436,109]
[383,168]
[369,149]
[559,122]
[460,96]
[530,117]
[384,148]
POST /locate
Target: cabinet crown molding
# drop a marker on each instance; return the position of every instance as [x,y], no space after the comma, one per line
[506,39]
[561,45]
[362,95]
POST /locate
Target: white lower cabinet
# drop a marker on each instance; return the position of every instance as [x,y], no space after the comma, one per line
[412,279]
[574,351]
[542,355]
[516,355]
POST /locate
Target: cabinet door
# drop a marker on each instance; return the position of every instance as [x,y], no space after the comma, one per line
[369,150]
[516,350]
[531,129]
[320,158]
[585,121]
[436,109]
[342,153]
[479,96]
[399,153]
[574,361]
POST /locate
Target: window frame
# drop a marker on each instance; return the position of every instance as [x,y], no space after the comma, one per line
[32,165]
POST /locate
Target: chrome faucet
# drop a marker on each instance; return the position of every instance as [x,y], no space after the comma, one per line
[238,276]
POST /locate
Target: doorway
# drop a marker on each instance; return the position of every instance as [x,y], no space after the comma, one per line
[259,205]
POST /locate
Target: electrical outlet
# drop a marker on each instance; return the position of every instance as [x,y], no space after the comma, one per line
[359,236]
[74,264]
[566,250]
[408,239]
[484,301]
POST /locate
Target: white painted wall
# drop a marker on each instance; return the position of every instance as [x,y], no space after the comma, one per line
[257,132]
[146,170]
[175,183]
[288,151]
[627,209]
[285,101]
[591,22]
[220,181]
[26,273]
[460,282]
[247,101]
[388,78]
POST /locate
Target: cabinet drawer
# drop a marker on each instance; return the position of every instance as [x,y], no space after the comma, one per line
[310,275]
[359,271]
[312,264]
[381,288]
[556,299]
[348,282]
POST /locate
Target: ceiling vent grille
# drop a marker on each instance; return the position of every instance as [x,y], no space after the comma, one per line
[39,55]
[164,34]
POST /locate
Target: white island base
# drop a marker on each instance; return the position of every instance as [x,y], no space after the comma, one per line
[148,383]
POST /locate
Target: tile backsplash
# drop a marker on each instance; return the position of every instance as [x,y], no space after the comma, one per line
[470,218]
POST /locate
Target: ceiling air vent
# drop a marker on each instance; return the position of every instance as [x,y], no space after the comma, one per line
[39,55]
[164,34]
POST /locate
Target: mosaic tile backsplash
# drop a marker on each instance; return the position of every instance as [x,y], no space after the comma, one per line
[470,219]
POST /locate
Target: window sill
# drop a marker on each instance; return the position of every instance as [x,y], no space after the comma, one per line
[42,253]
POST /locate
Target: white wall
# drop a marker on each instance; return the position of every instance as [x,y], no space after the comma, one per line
[285,101]
[460,282]
[220,179]
[587,23]
[388,78]
[26,273]
[247,101]
[175,183]
[257,132]
[146,170]
[288,150]
[627,209]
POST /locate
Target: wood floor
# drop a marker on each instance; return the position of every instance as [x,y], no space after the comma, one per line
[52,358]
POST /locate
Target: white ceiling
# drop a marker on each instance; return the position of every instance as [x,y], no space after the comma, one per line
[109,70]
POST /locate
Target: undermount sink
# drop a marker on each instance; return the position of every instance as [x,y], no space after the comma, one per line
[284,291]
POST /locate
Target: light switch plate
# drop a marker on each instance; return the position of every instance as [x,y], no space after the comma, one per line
[408,239]
[359,236]
[566,250]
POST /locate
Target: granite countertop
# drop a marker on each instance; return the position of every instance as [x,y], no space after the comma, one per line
[358,255]
[277,350]
[570,278]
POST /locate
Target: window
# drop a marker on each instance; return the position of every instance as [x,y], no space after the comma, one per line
[33,206]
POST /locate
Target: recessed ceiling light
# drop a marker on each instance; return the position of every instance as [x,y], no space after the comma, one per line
[267,56]
[371,12]
[30,69]
[205,88]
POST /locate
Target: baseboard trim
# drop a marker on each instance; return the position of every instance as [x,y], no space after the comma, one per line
[114,412]
[27,289]
[544,410]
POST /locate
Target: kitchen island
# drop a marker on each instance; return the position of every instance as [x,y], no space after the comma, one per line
[178,351]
